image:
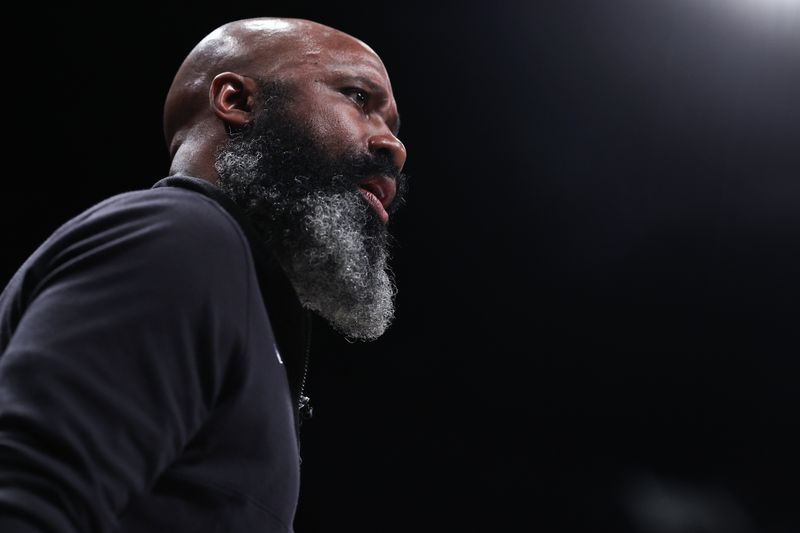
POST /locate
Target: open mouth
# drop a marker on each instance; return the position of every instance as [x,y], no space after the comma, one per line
[379,192]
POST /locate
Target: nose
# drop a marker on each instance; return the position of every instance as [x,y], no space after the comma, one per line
[388,143]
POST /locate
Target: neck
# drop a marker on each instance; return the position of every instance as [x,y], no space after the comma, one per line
[194,155]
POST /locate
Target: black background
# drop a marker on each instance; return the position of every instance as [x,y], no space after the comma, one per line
[598,264]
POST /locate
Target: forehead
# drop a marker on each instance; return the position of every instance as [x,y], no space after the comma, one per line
[329,54]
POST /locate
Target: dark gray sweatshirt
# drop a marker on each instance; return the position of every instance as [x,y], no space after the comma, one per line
[142,382]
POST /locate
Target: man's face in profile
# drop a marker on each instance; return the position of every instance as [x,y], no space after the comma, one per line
[319,175]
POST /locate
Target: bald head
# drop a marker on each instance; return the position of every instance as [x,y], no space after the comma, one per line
[260,48]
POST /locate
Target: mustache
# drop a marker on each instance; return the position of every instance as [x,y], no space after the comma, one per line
[363,166]
[368,165]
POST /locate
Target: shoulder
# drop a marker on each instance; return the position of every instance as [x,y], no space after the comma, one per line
[170,223]
[157,264]
[178,242]
[171,211]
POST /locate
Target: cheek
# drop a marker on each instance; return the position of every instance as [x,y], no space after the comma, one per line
[336,127]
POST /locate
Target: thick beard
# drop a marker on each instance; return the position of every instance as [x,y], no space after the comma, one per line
[307,207]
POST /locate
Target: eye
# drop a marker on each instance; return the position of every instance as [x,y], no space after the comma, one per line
[359,96]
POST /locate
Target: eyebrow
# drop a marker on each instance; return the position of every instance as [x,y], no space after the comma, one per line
[375,87]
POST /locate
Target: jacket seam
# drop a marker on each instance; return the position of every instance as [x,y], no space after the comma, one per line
[233,492]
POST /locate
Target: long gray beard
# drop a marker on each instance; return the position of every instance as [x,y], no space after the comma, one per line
[336,268]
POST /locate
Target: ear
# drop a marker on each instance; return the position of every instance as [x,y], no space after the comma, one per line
[232,97]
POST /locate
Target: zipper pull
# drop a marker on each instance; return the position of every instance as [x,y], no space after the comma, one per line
[306,409]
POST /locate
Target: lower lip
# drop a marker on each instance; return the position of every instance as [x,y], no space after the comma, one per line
[376,205]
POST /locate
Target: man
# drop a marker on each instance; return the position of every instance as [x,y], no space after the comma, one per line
[154,348]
